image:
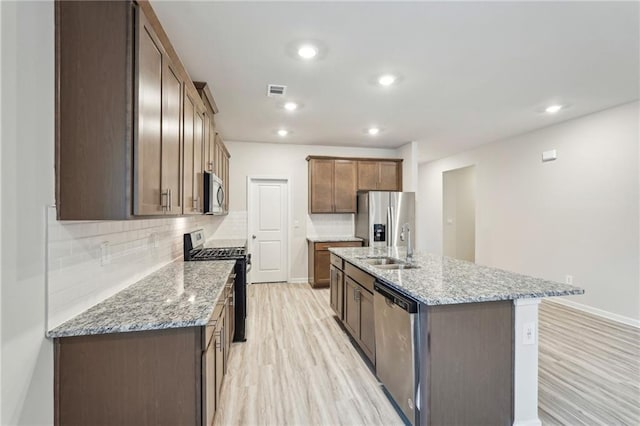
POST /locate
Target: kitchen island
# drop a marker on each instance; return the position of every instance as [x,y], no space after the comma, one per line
[466,353]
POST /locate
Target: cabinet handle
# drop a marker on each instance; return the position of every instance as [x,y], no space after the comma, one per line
[170,200]
[164,200]
[220,340]
[210,165]
[195,203]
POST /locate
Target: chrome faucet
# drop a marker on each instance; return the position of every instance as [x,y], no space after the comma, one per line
[405,228]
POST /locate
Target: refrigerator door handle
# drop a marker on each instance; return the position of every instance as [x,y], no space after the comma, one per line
[389,225]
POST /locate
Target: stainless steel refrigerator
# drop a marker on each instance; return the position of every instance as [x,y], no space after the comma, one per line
[381,215]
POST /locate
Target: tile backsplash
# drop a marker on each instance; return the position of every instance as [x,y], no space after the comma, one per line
[88,262]
[329,225]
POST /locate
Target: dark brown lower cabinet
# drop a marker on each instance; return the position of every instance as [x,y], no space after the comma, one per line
[156,377]
[319,260]
[136,378]
[357,307]
[337,291]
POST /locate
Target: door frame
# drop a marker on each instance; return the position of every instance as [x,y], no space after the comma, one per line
[287,180]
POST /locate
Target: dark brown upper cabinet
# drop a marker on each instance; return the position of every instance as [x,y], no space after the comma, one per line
[215,154]
[334,182]
[157,159]
[332,185]
[379,175]
[120,90]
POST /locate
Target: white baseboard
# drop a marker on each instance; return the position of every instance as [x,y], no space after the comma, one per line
[298,280]
[529,422]
[597,312]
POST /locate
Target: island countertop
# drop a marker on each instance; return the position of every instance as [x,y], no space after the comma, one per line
[440,280]
[181,294]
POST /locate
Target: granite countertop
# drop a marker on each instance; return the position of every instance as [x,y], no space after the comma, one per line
[332,239]
[239,242]
[181,294]
[440,280]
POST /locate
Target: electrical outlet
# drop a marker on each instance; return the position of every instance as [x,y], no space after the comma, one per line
[105,253]
[568,279]
[529,333]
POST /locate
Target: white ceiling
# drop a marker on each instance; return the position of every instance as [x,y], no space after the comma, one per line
[471,73]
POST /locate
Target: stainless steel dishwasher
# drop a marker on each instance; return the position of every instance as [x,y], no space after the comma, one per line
[396,347]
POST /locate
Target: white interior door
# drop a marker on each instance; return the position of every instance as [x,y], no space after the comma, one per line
[268,239]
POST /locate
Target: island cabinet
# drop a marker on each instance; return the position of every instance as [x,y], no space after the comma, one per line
[351,298]
[379,175]
[319,256]
[332,185]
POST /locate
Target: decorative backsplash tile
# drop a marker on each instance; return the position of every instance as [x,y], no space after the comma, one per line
[88,262]
[330,225]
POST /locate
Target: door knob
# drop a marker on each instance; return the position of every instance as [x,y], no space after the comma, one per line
[254,237]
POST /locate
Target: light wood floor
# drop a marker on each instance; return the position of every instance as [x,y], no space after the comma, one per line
[589,369]
[298,367]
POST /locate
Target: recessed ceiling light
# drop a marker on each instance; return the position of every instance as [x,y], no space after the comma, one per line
[387,80]
[552,109]
[283,132]
[373,131]
[307,51]
[291,106]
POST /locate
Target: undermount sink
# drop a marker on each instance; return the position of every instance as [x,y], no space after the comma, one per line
[402,265]
[388,263]
[378,261]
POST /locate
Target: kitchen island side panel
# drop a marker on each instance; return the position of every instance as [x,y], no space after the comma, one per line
[466,363]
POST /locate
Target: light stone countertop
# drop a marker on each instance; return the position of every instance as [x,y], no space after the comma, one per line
[332,239]
[440,280]
[239,242]
[181,294]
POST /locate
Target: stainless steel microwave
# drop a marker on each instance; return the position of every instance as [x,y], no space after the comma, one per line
[213,194]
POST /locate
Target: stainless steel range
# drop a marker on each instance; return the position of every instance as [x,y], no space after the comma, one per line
[194,250]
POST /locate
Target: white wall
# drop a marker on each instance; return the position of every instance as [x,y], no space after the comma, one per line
[409,152]
[578,215]
[27,187]
[268,159]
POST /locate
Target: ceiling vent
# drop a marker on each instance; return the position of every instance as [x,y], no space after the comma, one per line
[276,90]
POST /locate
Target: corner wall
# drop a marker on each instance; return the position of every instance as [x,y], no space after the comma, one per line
[27,187]
[578,215]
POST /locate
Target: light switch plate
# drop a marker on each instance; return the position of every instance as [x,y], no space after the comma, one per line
[549,155]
